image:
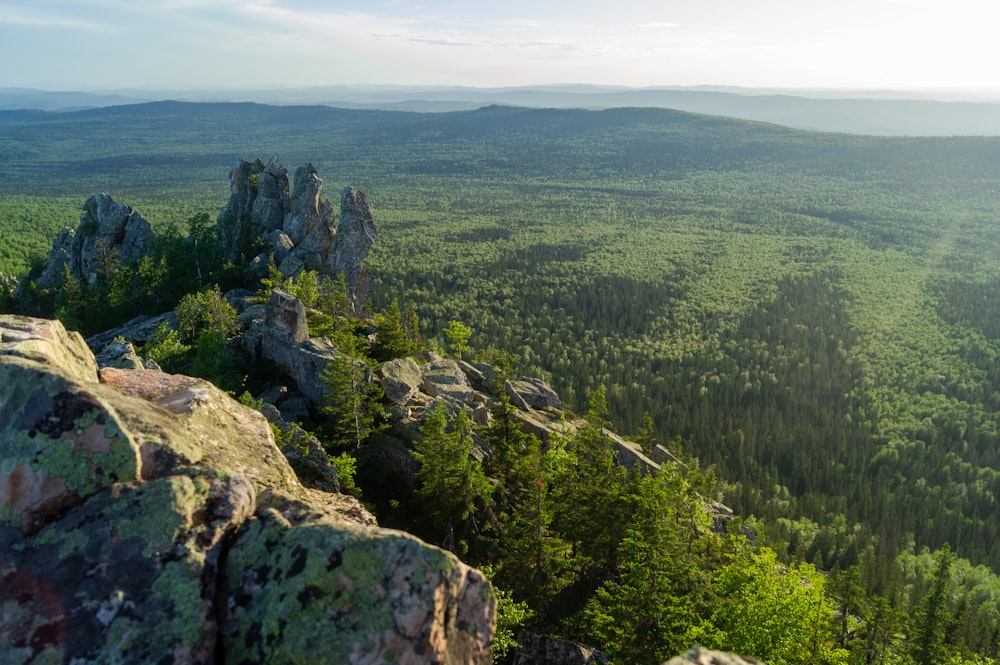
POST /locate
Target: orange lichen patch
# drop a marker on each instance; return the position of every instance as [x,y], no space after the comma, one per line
[27,491]
[92,438]
[150,385]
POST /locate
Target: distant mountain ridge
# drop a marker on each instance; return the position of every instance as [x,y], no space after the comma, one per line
[854,112]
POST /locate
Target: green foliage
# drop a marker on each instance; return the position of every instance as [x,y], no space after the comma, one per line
[933,617]
[166,349]
[778,613]
[511,615]
[347,468]
[394,337]
[204,311]
[657,603]
[457,334]
[354,400]
[216,362]
[450,483]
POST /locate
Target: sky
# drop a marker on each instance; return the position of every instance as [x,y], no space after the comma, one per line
[94,45]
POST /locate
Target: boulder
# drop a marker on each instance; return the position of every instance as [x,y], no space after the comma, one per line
[536,393]
[541,650]
[301,587]
[355,234]
[481,380]
[139,330]
[698,656]
[119,354]
[444,378]
[287,314]
[400,379]
[149,517]
[129,576]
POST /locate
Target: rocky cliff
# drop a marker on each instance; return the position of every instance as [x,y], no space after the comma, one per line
[297,224]
[109,233]
[147,517]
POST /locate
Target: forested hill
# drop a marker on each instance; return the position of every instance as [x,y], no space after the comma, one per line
[813,315]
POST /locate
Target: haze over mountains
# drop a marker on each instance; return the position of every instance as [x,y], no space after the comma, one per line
[856,112]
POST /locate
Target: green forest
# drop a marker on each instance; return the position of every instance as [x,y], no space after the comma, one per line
[809,320]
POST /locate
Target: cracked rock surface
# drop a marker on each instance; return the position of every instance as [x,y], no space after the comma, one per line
[148,517]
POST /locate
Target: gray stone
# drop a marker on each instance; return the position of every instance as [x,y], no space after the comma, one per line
[477,378]
[288,314]
[516,398]
[300,226]
[536,393]
[401,380]
[356,233]
[541,650]
[149,517]
[481,415]
[698,656]
[120,354]
[108,235]
[139,330]
[444,378]
[294,409]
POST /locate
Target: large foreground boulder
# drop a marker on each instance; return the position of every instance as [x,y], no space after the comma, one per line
[148,517]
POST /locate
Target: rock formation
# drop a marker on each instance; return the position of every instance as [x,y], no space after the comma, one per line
[297,224]
[541,650]
[108,235]
[148,517]
[699,656]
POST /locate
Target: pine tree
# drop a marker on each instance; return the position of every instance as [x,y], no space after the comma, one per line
[354,400]
[934,614]
[392,339]
[450,482]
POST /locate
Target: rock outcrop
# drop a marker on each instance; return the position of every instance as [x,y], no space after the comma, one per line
[699,656]
[296,222]
[541,650]
[148,517]
[108,235]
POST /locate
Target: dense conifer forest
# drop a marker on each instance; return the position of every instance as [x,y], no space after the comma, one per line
[810,321]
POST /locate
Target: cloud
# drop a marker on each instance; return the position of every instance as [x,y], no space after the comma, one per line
[32,16]
[656,26]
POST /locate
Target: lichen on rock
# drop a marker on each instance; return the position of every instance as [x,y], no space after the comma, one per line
[139,509]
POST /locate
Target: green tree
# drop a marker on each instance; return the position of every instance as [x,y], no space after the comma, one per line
[934,614]
[657,602]
[353,398]
[450,483]
[775,612]
[392,340]
[457,334]
[204,310]
[334,312]
[592,493]
[216,362]
[166,349]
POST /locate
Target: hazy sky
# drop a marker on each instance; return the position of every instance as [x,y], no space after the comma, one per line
[107,44]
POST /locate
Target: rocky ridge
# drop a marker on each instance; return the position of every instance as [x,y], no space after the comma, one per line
[148,517]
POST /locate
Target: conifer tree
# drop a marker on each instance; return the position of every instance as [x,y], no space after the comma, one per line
[450,482]
[934,614]
[392,339]
[354,400]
